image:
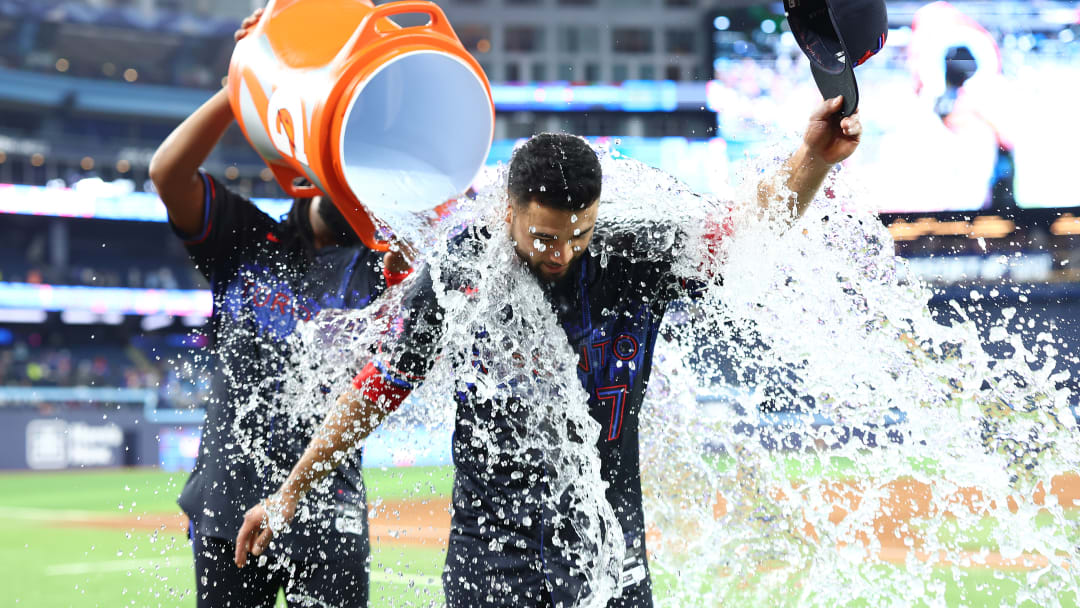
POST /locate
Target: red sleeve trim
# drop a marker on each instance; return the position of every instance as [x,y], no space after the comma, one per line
[376,388]
[717,231]
[393,278]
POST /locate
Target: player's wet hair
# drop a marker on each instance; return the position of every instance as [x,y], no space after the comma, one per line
[555,170]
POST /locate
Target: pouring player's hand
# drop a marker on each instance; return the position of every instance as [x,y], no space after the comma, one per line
[830,138]
[255,533]
[247,24]
[399,259]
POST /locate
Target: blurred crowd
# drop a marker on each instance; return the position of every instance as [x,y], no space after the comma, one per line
[22,366]
[163,277]
[160,46]
[62,251]
[177,377]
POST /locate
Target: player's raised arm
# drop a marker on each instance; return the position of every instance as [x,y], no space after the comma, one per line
[829,139]
[354,416]
[174,168]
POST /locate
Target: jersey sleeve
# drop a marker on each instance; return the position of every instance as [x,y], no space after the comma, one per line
[231,225]
[409,351]
[716,230]
[663,262]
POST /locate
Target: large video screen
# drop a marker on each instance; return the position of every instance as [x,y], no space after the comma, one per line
[971,106]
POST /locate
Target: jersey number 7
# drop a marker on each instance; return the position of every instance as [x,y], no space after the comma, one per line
[617,396]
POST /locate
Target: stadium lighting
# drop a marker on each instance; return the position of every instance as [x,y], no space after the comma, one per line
[1059,16]
[156,322]
[991,227]
[1066,225]
[768,26]
[112,318]
[721,23]
[93,197]
[904,231]
[957,228]
[985,226]
[22,315]
[102,300]
[79,317]
[194,321]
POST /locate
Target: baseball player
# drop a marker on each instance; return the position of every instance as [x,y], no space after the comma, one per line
[611,314]
[267,277]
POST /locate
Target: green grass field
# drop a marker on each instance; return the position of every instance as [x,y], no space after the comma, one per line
[52,557]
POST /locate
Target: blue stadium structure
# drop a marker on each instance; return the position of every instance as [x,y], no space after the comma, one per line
[95,293]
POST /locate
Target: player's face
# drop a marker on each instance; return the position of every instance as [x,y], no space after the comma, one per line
[550,240]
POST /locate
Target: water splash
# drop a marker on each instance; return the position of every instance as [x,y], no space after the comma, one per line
[854,448]
[816,319]
[501,340]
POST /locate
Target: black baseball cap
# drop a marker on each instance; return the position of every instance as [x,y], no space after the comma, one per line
[836,36]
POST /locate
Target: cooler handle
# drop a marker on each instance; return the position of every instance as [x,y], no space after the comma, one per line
[286,178]
[368,31]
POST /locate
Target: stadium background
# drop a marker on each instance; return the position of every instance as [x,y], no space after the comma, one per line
[101,314]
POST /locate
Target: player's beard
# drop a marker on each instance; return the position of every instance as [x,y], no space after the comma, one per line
[536,268]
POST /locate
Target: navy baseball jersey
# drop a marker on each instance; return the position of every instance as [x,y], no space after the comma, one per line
[503,550]
[261,293]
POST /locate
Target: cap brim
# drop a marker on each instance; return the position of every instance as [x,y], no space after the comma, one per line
[842,83]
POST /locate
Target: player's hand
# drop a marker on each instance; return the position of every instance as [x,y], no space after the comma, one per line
[399,259]
[255,533]
[829,138]
[247,24]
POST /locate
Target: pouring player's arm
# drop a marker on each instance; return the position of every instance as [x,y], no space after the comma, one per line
[174,168]
[828,140]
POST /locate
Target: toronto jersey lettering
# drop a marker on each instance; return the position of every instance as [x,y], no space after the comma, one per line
[261,293]
[502,547]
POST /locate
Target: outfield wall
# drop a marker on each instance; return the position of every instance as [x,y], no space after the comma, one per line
[43,435]
[74,437]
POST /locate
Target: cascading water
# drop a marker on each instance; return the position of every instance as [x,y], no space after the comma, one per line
[752,508]
[913,464]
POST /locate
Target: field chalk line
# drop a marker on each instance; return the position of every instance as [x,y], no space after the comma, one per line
[182,561]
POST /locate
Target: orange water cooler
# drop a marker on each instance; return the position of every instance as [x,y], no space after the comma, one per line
[386,120]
